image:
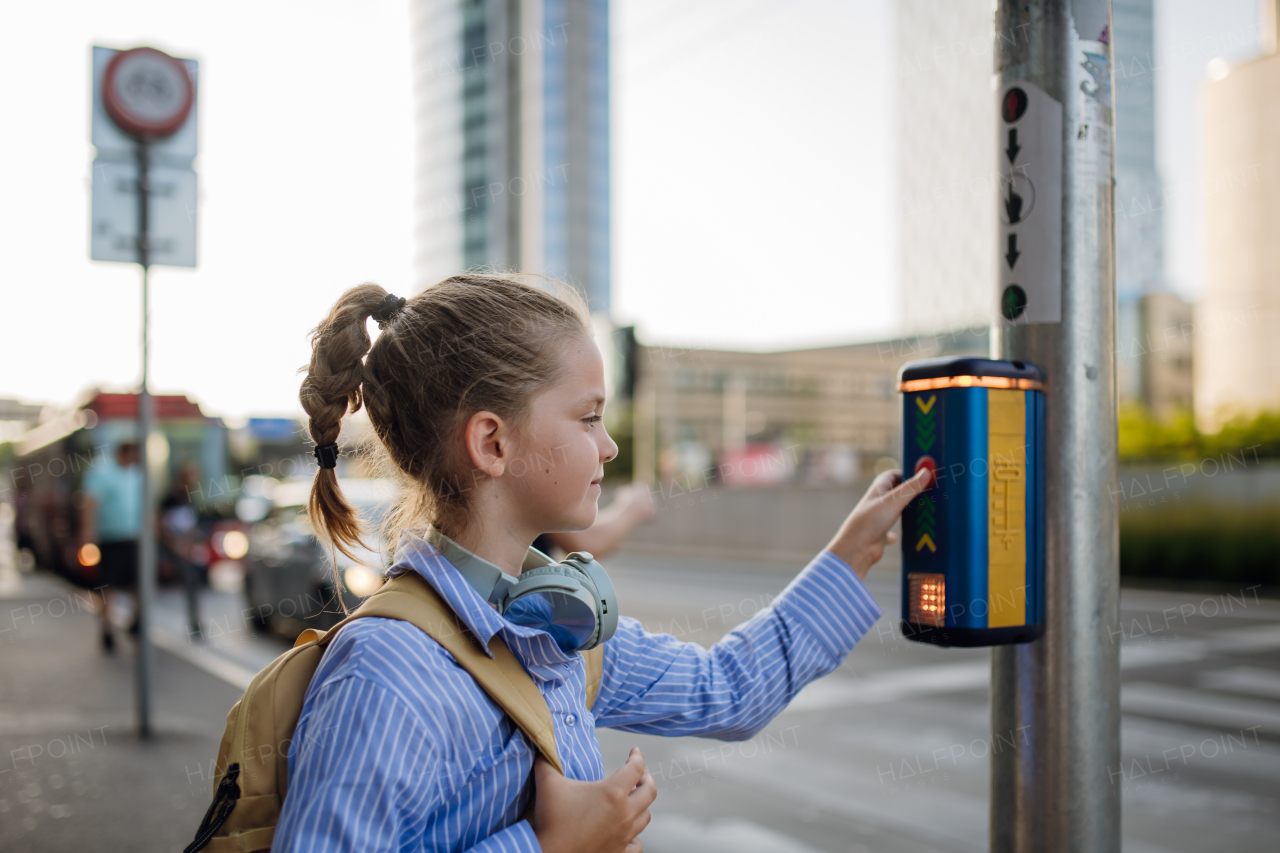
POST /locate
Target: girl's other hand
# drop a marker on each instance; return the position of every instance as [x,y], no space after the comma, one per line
[864,535]
[593,817]
[639,501]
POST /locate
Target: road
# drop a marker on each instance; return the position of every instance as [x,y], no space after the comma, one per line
[890,753]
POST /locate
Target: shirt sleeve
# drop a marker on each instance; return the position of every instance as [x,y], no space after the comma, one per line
[655,684]
[358,778]
[365,776]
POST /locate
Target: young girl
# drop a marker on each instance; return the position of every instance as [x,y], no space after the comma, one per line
[487,394]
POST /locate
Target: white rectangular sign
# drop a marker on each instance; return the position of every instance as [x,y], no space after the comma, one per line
[171,226]
[1030,206]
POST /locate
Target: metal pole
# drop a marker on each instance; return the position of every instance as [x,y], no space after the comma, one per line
[147,551]
[1060,695]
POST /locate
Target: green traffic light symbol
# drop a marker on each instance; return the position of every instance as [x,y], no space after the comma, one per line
[1013,302]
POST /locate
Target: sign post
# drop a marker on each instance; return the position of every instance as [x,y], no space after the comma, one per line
[1058,698]
[143,110]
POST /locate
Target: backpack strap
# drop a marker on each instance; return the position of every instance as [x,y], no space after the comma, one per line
[409,598]
[594,659]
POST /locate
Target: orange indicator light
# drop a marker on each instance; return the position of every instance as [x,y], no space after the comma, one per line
[926,599]
[1007,382]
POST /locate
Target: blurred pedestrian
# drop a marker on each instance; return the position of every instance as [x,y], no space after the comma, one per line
[632,505]
[111,519]
[179,526]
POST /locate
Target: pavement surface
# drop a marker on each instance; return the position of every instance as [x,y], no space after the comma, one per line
[890,753]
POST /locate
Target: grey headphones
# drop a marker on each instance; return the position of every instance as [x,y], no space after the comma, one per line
[572,600]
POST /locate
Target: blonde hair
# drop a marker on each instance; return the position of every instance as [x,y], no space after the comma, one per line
[474,342]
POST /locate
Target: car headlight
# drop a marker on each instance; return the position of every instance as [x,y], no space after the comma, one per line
[362,580]
[235,544]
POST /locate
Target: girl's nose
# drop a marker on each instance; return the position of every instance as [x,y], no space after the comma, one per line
[610,449]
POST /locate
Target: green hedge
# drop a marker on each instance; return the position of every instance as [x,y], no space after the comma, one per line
[1202,541]
[1144,438]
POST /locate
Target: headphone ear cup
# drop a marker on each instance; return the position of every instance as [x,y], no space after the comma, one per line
[579,577]
[602,587]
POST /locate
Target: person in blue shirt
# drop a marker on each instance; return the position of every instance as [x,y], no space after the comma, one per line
[111,519]
[487,394]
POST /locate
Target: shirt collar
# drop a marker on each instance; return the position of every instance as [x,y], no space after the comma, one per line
[419,549]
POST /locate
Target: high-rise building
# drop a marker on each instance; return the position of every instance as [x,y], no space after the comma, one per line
[1139,206]
[512,118]
[946,164]
[1237,361]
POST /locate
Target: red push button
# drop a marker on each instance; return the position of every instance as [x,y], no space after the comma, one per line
[927,462]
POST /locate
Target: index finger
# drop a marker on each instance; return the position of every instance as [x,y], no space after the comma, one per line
[904,494]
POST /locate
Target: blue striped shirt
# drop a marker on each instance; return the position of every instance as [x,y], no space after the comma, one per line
[398,748]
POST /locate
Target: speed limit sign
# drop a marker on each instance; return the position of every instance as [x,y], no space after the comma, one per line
[147,93]
[144,134]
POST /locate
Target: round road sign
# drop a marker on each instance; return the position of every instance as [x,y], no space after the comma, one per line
[147,93]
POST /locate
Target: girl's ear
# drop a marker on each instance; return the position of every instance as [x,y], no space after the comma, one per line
[486,439]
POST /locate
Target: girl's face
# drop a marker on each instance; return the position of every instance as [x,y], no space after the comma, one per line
[561,450]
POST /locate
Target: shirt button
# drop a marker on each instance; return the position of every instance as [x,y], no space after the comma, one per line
[571,720]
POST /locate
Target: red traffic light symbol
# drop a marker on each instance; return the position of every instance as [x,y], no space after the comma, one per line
[927,462]
[147,93]
[1014,104]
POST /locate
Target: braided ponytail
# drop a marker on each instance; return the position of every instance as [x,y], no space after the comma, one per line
[332,389]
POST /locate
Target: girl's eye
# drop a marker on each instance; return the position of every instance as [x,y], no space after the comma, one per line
[592,419]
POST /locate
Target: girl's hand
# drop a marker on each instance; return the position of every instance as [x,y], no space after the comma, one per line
[865,533]
[639,501]
[593,817]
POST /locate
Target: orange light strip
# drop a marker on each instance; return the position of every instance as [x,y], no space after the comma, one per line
[970,382]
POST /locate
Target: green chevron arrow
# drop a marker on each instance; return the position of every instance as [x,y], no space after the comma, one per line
[926,423]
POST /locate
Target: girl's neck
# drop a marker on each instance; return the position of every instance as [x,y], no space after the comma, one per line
[500,544]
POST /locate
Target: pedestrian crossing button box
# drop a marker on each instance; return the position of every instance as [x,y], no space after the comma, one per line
[973,541]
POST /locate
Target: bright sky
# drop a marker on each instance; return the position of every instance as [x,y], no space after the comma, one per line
[753,180]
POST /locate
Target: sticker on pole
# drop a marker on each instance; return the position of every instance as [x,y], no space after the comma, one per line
[1030,206]
[147,93]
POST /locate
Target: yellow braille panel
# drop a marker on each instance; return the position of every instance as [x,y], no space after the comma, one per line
[1006,508]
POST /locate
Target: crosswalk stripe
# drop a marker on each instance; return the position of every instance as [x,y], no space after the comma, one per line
[676,833]
[1243,679]
[1196,706]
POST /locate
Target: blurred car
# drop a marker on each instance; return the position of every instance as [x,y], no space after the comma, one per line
[289,584]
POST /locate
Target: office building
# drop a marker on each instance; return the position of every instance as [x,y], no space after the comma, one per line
[1139,198]
[512,118]
[1237,368]
[822,416]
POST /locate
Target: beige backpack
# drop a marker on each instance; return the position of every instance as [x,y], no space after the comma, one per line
[252,768]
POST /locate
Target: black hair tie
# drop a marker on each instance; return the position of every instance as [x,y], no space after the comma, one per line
[327,455]
[388,309]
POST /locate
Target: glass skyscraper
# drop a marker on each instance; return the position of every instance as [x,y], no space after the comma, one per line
[512,118]
[1139,197]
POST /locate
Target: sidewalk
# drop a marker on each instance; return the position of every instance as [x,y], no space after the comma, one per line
[73,773]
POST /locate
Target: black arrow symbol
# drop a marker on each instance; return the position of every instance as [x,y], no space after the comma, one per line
[1013,254]
[1014,147]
